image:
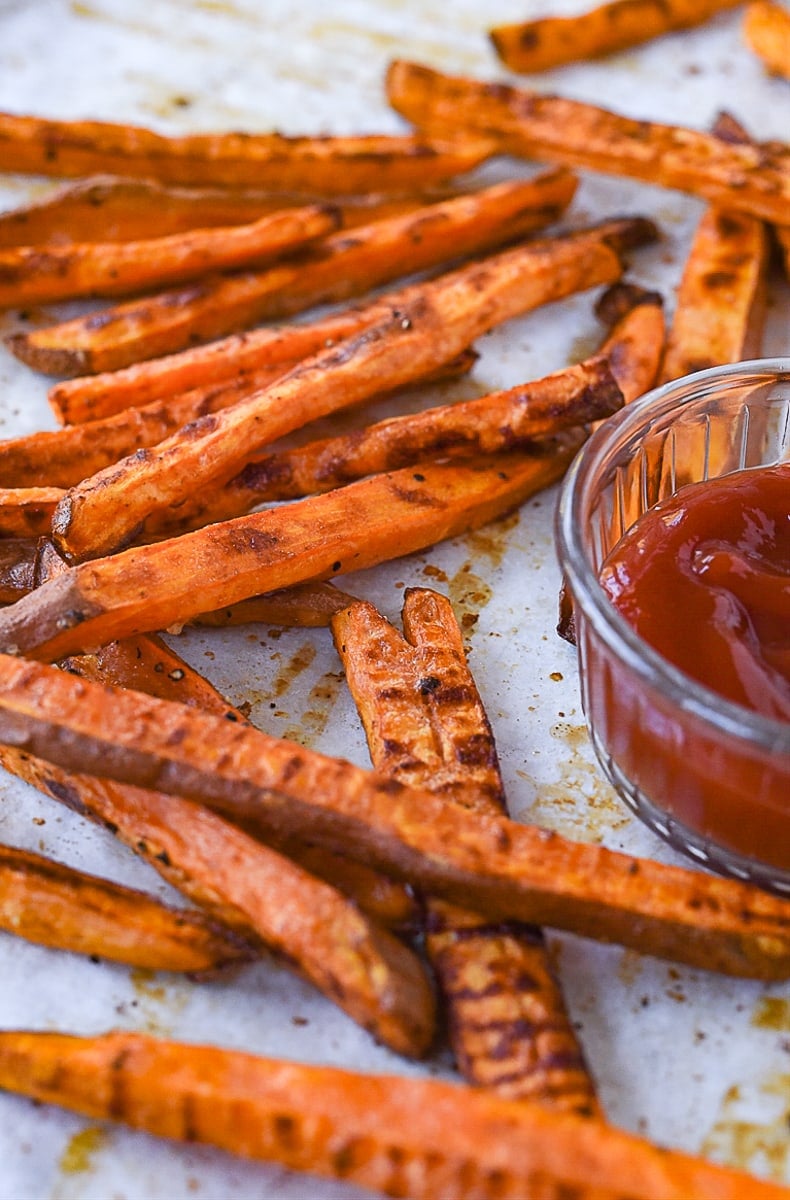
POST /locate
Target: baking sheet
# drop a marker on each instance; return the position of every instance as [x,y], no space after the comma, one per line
[689,1059]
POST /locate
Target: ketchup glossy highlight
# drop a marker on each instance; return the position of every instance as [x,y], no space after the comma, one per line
[704,578]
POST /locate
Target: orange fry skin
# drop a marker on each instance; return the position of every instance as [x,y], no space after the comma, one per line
[263,899]
[499,421]
[547,128]
[548,42]
[503,869]
[107,208]
[308,605]
[766,30]
[721,298]
[223,362]
[57,906]
[326,165]
[337,267]
[44,274]
[637,336]
[466,1145]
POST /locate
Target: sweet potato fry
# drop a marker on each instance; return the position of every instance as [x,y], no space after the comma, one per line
[218,364]
[106,208]
[634,348]
[721,299]
[500,868]
[429,326]
[250,888]
[766,30]
[554,129]
[63,457]
[65,909]
[783,234]
[729,128]
[498,421]
[637,335]
[426,726]
[17,557]
[27,512]
[42,274]
[326,165]
[264,898]
[307,605]
[547,42]
[168,583]
[337,267]
[466,1145]
[147,664]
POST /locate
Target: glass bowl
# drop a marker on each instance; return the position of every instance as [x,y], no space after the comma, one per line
[709,776]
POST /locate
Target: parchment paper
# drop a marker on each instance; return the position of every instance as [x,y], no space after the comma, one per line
[692,1060]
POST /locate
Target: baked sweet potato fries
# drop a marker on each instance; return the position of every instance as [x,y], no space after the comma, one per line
[766,30]
[467,1144]
[547,42]
[328,165]
[187,485]
[335,268]
[750,179]
[502,869]
[427,727]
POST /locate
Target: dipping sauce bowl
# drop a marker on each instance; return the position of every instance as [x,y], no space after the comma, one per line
[709,775]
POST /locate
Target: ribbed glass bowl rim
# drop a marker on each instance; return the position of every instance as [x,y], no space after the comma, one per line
[685,693]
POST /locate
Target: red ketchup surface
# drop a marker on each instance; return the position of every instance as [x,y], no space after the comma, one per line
[704,578]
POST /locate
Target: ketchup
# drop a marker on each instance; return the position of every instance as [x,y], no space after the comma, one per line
[704,578]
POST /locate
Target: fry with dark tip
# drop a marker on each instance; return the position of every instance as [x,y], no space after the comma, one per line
[426,726]
[637,335]
[500,868]
[518,417]
[218,364]
[324,164]
[43,274]
[58,906]
[766,31]
[147,664]
[431,325]
[107,208]
[634,349]
[308,605]
[547,128]
[547,42]
[720,302]
[337,267]
[64,457]
[169,583]
[264,898]
[28,512]
[17,558]
[421,1138]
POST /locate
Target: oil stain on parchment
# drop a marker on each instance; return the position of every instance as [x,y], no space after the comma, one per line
[580,804]
[158,1006]
[320,702]
[762,1148]
[81,1149]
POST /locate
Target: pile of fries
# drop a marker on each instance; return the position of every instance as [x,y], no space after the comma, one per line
[186,486]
